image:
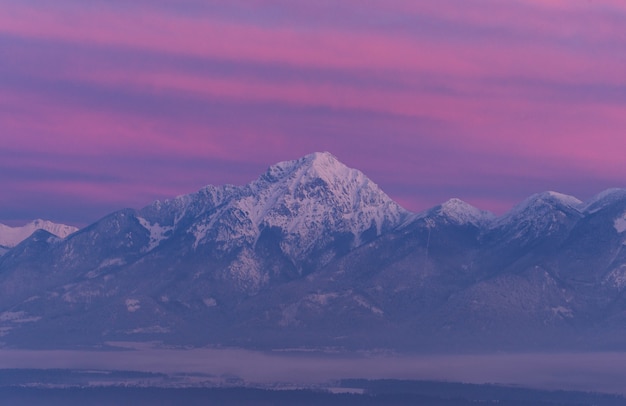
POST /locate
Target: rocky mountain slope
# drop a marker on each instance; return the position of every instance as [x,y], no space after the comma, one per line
[314,254]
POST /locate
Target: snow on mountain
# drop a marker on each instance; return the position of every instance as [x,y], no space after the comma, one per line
[603,200]
[552,199]
[540,208]
[316,193]
[273,263]
[541,215]
[620,223]
[157,232]
[11,236]
[454,211]
[308,199]
[460,212]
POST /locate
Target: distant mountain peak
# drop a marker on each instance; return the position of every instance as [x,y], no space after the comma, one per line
[307,202]
[604,199]
[541,201]
[305,196]
[552,198]
[541,214]
[11,236]
[458,212]
[464,213]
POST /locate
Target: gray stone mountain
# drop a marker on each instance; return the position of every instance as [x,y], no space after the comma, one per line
[314,254]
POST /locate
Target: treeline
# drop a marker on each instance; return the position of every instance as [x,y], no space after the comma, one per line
[485,393]
[53,387]
[96,396]
[136,396]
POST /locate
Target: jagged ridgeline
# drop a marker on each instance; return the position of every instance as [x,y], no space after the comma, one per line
[314,254]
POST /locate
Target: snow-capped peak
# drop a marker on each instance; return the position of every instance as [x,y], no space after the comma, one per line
[306,195]
[604,199]
[456,211]
[464,213]
[309,199]
[321,165]
[11,236]
[565,200]
[540,210]
[552,199]
[328,168]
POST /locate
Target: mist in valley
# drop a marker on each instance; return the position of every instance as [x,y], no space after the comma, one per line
[595,372]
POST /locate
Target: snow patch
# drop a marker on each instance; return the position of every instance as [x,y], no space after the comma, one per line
[18,317]
[289,316]
[321,299]
[107,263]
[617,277]
[111,262]
[132,305]
[562,312]
[364,303]
[10,316]
[209,302]
[246,272]
[157,232]
[620,223]
[79,295]
[199,232]
[149,330]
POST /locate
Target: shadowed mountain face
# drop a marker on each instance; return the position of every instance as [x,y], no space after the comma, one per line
[315,254]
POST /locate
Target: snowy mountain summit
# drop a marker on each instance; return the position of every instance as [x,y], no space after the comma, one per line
[309,210]
[459,212]
[11,236]
[309,197]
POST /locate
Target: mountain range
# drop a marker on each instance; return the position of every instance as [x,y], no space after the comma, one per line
[313,254]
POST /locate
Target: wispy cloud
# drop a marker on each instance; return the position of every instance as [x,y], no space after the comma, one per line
[427,98]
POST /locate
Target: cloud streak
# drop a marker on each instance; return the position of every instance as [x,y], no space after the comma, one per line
[110,104]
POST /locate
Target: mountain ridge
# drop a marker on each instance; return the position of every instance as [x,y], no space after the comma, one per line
[313,253]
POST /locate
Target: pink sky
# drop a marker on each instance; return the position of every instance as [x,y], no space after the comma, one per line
[105,104]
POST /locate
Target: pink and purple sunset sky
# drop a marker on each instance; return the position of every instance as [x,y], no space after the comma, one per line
[106,104]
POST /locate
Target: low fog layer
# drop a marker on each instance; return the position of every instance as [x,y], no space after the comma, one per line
[602,372]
